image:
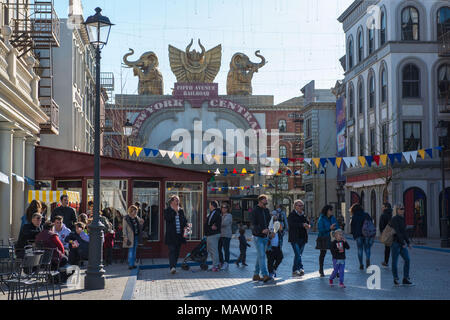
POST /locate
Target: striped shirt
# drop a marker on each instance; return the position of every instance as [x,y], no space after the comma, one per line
[177,221]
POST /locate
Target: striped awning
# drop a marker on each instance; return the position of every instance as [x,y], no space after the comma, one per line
[50,196]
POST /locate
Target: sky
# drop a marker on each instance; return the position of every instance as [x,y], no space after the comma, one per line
[300,39]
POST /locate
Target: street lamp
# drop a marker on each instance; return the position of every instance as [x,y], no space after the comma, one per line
[442,131]
[127,131]
[98,27]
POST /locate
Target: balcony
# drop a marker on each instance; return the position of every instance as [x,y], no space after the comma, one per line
[444,45]
[51,109]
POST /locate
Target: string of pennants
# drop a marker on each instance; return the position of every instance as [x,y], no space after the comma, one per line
[258,186]
[318,162]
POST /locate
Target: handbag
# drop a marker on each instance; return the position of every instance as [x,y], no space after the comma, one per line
[387,236]
[322,243]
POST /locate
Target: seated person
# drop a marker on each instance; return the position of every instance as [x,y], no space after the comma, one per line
[28,233]
[49,239]
[78,244]
[62,231]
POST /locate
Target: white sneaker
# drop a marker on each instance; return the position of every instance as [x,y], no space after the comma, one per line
[224,266]
[173,271]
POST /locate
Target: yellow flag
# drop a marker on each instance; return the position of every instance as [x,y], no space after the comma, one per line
[138,151]
[131,150]
[383,158]
[338,162]
[422,153]
[244,171]
[178,154]
[316,162]
[363,161]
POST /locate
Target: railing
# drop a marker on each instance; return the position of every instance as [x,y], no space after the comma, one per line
[51,109]
[444,46]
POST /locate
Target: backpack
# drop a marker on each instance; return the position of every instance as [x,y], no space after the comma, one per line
[369,230]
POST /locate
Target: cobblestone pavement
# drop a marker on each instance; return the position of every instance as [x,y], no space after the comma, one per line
[430,273]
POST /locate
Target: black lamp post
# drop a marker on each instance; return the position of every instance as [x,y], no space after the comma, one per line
[127,131]
[99,28]
[442,130]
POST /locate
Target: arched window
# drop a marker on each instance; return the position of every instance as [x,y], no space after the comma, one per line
[360,46]
[382,28]
[384,88]
[444,81]
[360,98]
[371,40]
[282,125]
[351,103]
[410,24]
[350,53]
[443,21]
[411,81]
[371,91]
[283,152]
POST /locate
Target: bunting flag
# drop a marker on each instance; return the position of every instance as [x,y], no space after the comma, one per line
[422,153]
[323,161]
[338,162]
[429,152]
[353,161]
[217,172]
[383,159]
[398,156]
[147,152]
[138,151]
[170,154]
[285,161]
[243,171]
[308,160]
[369,160]
[391,158]
[333,161]
[316,162]
[377,160]
[347,161]
[438,148]
[131,150]
[163,153]
[362,160]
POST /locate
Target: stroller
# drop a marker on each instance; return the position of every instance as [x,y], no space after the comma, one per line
[198,254]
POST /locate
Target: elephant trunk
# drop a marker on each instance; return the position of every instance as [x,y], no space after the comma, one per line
[263,60]
[130,63]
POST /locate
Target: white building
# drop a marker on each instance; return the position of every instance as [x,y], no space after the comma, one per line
[392,76]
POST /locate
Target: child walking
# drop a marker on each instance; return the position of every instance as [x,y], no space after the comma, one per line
[338,247]
[242,247]
[274,253]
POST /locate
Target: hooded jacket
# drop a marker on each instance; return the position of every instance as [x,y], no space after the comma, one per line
[357,223]
[213,218]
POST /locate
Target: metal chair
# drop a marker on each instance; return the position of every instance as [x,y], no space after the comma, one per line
[27,277]
[47,275]
[7,265]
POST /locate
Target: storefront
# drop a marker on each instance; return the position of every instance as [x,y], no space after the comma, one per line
[124,182]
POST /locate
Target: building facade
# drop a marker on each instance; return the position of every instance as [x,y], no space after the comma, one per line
[394,69]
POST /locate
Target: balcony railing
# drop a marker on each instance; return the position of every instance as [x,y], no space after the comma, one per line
[444,45]
[52,110]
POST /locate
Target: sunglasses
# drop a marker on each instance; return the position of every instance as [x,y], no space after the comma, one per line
[401,208]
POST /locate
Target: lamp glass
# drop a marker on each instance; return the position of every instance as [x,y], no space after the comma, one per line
[99,28]
[128,128]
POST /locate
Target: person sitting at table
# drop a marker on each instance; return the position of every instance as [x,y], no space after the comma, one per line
[28,233]
[47,238]
[78,244]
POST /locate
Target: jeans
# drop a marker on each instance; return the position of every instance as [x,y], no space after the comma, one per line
[338,268]
[174,253]
[322,259]
[364,244]
[132,252]
[274,258]
[387,252]
[261,263]
[298,247]
[242,256]
[398,250]
[212,244]
[224,244]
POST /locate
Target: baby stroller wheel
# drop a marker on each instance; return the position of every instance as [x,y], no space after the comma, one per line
[184,266]
[204,266]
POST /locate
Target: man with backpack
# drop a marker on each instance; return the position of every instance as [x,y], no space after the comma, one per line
[364,232]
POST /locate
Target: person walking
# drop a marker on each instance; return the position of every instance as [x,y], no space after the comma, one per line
[337,248]
[400,245]
[132,234]
[385,219]
[281,217]
[260,220]
[325,225]
[69,214]
[274,252]
[298,236]
[363,243]
[175,224]
[242,248]
[225,236]
[212,229]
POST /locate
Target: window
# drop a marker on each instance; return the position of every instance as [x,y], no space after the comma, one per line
[308,128]
[283,152]
[382,28]
[373,142]
[352,146]
[191,200]
[410,24]
[384,86]
[360,46]
[371,91]
[282,125]
[361,144]
[412,136]
[443,21]
[371,40]
[444,81]
[351,103]
[350,53]
[360,98]
[147,194]
[411,81]
[384,138]
[114,194]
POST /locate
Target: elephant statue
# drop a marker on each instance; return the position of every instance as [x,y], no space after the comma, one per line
[239,81]
[146,68]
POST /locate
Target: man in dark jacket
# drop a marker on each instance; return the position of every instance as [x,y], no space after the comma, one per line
[78,244]
[298,236]
[363,243]
[260,229]
[385,218]
[69,214]
[28,233]
[399,244]
[212,232]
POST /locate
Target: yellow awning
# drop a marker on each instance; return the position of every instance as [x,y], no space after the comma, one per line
[50,196]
